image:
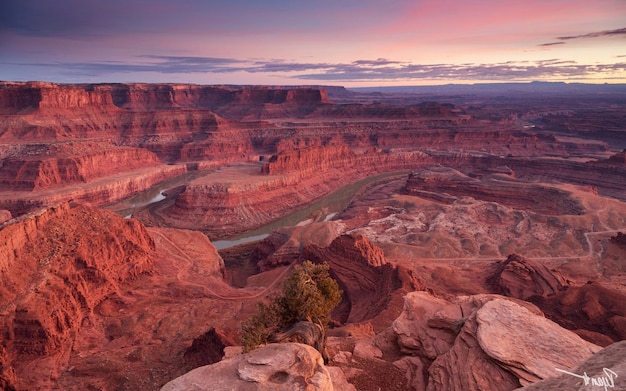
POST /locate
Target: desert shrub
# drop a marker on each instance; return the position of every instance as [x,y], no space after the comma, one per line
[309,293]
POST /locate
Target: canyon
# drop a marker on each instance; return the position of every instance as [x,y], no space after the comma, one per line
[485,250]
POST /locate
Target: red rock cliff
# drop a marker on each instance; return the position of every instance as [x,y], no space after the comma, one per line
[43,166]
[18,98]
[57,267]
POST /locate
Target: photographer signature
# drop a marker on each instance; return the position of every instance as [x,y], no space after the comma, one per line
[605,381]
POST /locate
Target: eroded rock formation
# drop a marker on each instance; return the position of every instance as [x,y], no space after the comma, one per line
[603,369]
[369,282]
[440,182]
[284,366]
[523,278]
[63,263]
[485,341]
[43,166]
[594,311]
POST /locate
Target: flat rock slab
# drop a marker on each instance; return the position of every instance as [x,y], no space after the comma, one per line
[275,367]
[529,345]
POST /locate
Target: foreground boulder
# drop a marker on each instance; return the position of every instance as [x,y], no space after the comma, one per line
[275,367]
[605,368]
[484,342]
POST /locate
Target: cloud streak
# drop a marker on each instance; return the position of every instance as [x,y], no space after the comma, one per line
[552,43]
[598,34]
[361,70]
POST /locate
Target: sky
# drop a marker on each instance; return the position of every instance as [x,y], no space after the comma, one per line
[314,42]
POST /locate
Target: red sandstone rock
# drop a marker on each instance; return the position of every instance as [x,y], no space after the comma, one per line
[309,160]
[603,368]
[43,166]
[435,181]
[208,348]
[588,309]
[246,200]
[5,215]
[529,346]
[483,342]
[283,366]
[63,263]
[361,270]
[522,278]
[284,245]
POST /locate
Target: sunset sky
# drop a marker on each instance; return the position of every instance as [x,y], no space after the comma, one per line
[331,42]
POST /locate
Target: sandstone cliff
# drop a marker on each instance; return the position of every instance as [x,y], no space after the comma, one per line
[36,167]
[484,342]
[522,278]
[368,281]
[57,267]
[228,206]
[232,101]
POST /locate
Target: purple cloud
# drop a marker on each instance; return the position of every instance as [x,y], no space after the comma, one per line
[360,70]
[552,43]
[599,34]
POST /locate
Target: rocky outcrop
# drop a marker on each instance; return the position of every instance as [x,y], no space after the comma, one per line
[37,167]
[244,201]
[275,367]
[523,278]
[437,182]
[484,342]
[61,264]
[232,101]
[208,348]
[369,282]
[308,160]
[530,346]
[5,215]
[15,235]
[593,310]
[603,369]
[284,245]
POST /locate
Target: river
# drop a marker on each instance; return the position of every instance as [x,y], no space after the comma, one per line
[154,194]
[322,210]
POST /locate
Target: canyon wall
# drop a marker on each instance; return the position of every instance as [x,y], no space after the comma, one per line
[443,183]
[227,207]
[100,191]
[41,166]
[58,265]
[232,101]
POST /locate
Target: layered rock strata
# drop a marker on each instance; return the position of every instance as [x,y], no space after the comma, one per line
[55,276]
[485,342]
[44,166]
[523,278]
[603,369]
[440,182]
[368,281]
[276,367]
[251,199]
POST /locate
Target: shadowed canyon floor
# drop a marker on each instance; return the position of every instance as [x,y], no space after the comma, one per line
[483,214]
